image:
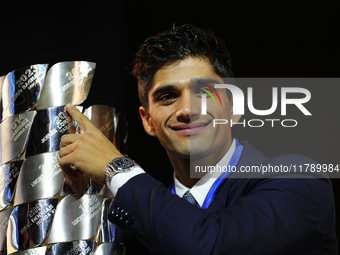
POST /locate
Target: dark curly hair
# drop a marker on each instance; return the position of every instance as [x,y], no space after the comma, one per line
[175,45]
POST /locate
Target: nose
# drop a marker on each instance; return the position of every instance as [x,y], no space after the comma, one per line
[187,107]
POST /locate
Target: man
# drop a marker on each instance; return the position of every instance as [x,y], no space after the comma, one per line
[238,215]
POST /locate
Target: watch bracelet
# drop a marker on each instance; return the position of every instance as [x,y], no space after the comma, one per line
[110,172]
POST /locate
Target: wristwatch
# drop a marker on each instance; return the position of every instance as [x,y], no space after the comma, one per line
[118,165]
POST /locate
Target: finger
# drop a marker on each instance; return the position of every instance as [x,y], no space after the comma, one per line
[70,173]
[69,139]
[67,165]
[84,123]
[72,127]
[66,150]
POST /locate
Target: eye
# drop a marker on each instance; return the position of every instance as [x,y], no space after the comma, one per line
[167,98]
[203,90]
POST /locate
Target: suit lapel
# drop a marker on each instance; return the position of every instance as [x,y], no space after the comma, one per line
[250,157]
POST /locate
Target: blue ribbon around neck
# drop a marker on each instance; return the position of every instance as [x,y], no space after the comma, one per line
[215,188]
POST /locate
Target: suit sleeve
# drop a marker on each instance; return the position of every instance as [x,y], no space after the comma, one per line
[273,216]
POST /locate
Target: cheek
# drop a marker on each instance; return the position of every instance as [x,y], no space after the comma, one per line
[220,112]
[222,134]
[161,115]
[158,122]
[226,111]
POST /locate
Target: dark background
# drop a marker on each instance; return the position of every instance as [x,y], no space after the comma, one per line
[265,39]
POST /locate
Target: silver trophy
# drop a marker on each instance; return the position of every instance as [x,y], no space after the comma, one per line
[39,213]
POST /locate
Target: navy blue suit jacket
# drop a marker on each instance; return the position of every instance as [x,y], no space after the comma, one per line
[249,215]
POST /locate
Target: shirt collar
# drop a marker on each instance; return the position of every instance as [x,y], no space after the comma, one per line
[202,187]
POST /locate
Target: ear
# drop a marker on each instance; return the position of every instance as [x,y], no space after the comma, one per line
[147,121]
[235,118]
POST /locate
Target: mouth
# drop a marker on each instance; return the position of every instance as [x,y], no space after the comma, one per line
[190,129]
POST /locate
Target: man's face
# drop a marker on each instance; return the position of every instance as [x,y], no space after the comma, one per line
[175,117]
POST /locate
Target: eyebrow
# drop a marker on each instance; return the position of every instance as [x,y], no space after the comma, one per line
[196,81]
[163,89]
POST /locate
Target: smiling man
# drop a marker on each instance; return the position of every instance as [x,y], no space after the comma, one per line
[231,213]
[173,115]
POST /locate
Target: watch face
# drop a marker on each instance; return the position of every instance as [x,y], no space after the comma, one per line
[122,163]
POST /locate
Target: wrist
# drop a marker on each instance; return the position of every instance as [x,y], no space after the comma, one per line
[118,165]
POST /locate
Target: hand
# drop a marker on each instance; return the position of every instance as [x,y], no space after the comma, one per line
[88,152]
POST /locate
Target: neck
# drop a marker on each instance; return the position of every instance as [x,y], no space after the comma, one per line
[182,171]
[182,166]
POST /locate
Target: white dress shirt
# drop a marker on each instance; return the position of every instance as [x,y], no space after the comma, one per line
[202,187]
[199,190]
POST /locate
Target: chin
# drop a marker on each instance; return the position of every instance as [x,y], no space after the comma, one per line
[198,152]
